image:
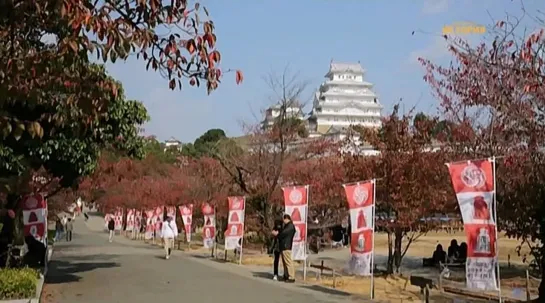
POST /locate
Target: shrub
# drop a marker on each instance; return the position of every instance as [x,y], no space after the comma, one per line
[18,283]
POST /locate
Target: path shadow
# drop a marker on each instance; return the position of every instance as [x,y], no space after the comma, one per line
[68,245]
[65,272]
[327,290]
[160,257]
[95,257]
[263,275]
[201,257]
[210,258]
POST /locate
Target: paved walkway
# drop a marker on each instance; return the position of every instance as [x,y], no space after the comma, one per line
[91,270]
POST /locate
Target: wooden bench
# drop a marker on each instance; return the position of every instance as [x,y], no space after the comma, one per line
[178,243]
[425,285]
[322,267]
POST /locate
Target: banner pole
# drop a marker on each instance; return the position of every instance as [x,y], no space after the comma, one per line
[243,225]
[373,254]
[496,229]
[241,242]
[306,235]
[214,247]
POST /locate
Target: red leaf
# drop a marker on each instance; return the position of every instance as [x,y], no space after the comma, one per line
[239,77]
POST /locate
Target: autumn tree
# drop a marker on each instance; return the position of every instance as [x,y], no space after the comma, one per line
[325,175]
[69,151]
[209,183]
[45,63]
[494,95]
[411,184]
[257,168]
[133,183]
[49,157]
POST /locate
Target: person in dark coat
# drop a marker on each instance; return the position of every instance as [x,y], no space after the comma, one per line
[111,229]
[59,229]
[285,242]
[275,250]
[462,252]
[453,251]
[439,255]
[35,257]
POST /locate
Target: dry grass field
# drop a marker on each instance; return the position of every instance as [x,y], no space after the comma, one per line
[425,245]
[395,289]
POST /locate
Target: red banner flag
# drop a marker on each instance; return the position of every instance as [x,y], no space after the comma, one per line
[35,217]
[474,185]
[209,228]
[235,222]
[361,204]
[186,212]
[296,205]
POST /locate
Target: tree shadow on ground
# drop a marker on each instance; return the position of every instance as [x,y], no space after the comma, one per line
[327,290]
[94,257]
[263,275]
[210,258]
[66,271]
[205,257]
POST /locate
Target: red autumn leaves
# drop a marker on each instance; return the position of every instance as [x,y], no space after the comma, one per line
[119,36]
[151,182]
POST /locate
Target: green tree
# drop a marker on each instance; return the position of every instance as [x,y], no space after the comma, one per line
[206,144]
[60,154]
[160,151]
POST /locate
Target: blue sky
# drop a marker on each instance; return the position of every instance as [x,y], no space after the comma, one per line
[262,36]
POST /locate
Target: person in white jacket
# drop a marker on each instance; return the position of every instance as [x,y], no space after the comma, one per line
[169,233]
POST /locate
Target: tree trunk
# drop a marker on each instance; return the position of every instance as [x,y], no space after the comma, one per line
[11,231]
[390,263]
[397,249]
[541,289]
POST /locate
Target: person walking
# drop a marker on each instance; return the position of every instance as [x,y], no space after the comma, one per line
[285,242]
[111,228]
[58,229]
[69,229]
[275,250]
[169,232]
[143,223]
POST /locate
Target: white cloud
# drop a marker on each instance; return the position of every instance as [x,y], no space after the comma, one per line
[435,51]
[438,49]
[432,7]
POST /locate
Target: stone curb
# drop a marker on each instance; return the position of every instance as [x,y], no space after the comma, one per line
[39,284]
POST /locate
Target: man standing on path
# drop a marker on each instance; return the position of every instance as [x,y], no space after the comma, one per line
[69,229]
[169,233]
[111,228]
[285,241]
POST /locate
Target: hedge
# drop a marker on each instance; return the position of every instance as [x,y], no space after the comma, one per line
[18,283]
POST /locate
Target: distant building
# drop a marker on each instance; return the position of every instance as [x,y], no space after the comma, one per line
[173,143]
[293,110]
[344,99]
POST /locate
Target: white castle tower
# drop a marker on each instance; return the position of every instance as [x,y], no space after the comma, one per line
[344,99]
